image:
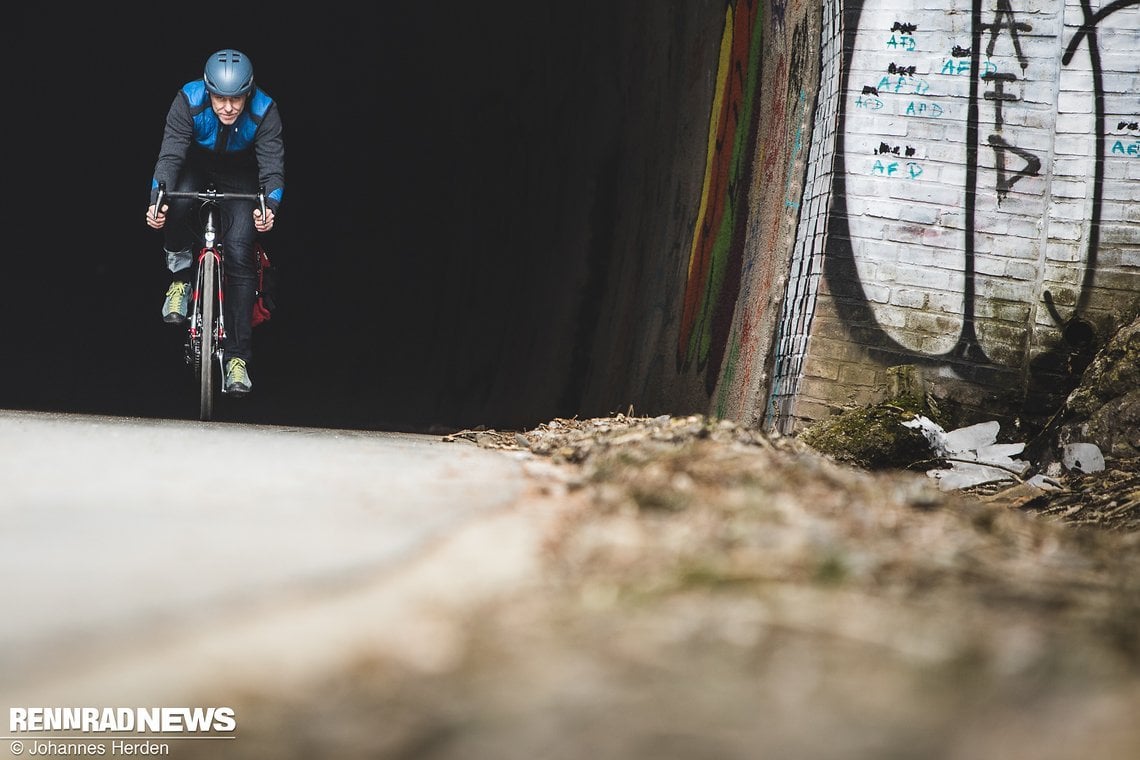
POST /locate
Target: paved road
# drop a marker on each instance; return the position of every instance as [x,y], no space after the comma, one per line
[124,535]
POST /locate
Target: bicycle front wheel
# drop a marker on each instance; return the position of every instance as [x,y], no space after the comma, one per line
[208,374]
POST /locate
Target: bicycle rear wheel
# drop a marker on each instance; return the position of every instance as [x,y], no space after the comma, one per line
[208,376]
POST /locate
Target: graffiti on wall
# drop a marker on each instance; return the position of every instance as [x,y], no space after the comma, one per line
[713,278]
[780,145]
[944,231]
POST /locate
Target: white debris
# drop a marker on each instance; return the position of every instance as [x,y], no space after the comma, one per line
[1044,482]
[932,431]
[972,453]
[1085,457]
[972,438]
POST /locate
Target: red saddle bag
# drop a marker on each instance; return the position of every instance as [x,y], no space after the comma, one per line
[265,302]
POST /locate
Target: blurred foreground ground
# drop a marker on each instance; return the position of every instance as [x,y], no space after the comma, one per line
[703,591]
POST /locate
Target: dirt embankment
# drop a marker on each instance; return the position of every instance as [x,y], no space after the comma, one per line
[712,592]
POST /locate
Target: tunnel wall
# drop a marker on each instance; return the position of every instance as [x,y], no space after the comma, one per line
[694,275]
[878,184]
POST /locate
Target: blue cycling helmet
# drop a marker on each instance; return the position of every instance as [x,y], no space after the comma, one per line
[229,73]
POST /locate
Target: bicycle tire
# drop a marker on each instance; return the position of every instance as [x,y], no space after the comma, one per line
[206,373]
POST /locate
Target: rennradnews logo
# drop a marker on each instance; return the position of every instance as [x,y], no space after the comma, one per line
[140,720]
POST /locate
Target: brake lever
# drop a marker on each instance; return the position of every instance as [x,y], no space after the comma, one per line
[158,200]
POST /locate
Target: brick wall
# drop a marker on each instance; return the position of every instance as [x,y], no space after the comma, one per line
[971,205]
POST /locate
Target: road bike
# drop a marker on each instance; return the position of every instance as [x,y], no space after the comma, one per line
[206,327]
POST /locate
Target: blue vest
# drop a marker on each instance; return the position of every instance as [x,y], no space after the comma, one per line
[207,126]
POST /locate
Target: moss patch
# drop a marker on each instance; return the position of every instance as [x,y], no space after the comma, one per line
[872,437]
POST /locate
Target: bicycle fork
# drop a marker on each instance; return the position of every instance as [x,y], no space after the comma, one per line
[196,327]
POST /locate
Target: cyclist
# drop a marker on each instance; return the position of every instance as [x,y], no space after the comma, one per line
[222,129]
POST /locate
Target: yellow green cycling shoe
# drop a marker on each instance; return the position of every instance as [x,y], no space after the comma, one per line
[177,302]
[237,379]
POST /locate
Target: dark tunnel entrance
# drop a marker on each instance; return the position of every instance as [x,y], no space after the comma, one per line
[455,180]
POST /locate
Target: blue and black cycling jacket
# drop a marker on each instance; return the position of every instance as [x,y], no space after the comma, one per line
[192,124]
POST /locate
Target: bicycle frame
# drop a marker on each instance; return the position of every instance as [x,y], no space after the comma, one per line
[207,328]
[206,321]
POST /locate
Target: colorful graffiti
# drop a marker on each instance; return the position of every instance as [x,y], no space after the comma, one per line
[713,279]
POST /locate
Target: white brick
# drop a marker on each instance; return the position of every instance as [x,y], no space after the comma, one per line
[930,277]
[983,244]
[1036,93]
[991,224]
[1118,234]
[949,303]
[864,144]
[1121,83]
[1067,189]
[1026,198]
[918,214]
[934,345]
[1004,289]
[1059,230]
[888,317]
[1121,191]
[937,194]
[1063,252]
[1074,124]
[1028,189]
[1077,81]
[892,125]
[1027,227]
[943,152]
[906,297]
[1115,170]
[954,176]
[934,130]
[1067,211]
[1072,167]
[856,205]
[1037,141]
[881,209]
[1069,103]
[951,219]
[1118,59]
[1014,248]
[919,254]
[1029,118]
[876,293]
[1021,270]
[1116,212]
[886,271]
[1061,276]
[990,265]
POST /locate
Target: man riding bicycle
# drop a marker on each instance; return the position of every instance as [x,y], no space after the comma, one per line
[223,130]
